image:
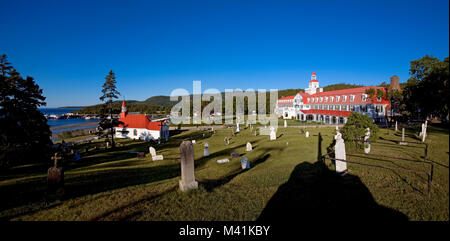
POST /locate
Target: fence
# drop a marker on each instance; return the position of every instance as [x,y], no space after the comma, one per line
[377,157]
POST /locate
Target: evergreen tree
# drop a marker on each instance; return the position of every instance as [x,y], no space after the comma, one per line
[24,133]
[109,93]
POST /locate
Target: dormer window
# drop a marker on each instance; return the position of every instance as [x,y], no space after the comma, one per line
[352,98]
[364,97]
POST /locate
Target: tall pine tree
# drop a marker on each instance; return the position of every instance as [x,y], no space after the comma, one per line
[24,132]
[109,93]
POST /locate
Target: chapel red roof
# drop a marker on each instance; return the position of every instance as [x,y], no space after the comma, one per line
[140,121]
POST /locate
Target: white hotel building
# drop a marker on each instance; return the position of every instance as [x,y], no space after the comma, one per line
[331,107]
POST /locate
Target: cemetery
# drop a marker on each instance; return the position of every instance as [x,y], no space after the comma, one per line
[233,174]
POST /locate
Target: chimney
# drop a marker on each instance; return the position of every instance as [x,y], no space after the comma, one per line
[395,82]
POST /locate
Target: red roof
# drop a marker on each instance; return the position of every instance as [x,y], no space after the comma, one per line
[357,92]
[314,73]
[287,97]
[328,112]
[140,121]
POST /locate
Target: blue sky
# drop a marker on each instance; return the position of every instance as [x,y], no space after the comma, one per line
[157,46]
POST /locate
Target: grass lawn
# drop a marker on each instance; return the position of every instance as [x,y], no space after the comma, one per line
[285,180]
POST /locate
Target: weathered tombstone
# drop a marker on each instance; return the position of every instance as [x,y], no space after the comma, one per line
[285,124]
[206,150]
[245,164]
[339,153]
[366,141]
[403,138]
[76,156]
[155,157]
[226,140]
[249,147]
[223,160]
[55,175]
[396,128]
[237,127]
[187,167]
[193,141]
[424,134]
[423,128]
[203,135]
[107,144]
[235,154]
[307,134]
[140,155]
[273,134]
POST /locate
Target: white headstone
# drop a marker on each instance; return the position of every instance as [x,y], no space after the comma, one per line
[285,123]
[193,141]
[424,134]
[249,147]
[396,128]
[223,160]
[237,127]
[339,153]
[423,128]
[155,157]
[206,150]
[273,134]
[245,164]
[307,134]
[366,141]
[403,137]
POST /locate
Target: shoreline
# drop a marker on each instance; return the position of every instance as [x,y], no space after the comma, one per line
[73,126]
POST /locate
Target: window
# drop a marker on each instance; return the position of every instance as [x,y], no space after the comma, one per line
[332,99]
[321,99]
[336,107]
[317,99]
[337,98]
[364,97]
[344,98]
[326,99]
[378,99]
[352,98]
[135,131]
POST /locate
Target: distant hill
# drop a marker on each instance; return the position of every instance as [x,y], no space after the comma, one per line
[159,100]
[162,103]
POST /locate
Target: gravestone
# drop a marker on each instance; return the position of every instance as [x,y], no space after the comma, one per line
[140,155]
[226,140]
[76,156]
[396,128]
[403,138]
[206,150]
[235,154]
[203,135]
[423,128]
[193,141]
[307,134]
[223,160]
[55,175]
[187,167]
[273,134]
[366,141]
[339,153]
[249,147]
[107,144]
[424,134]
[285,124]
[245,163]
[237,127]
[155,157]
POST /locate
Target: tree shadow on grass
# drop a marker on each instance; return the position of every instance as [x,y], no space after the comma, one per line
[314,192]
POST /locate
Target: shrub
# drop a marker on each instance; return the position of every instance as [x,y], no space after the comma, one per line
[354,130]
